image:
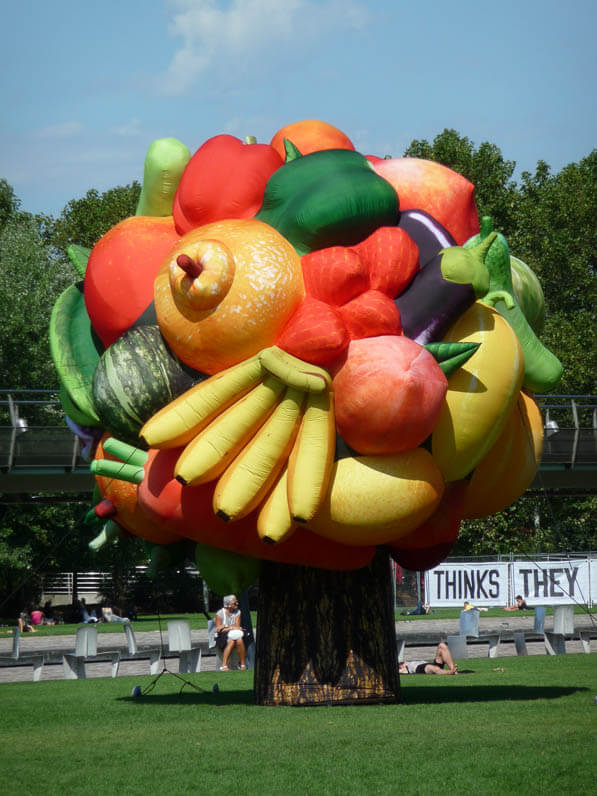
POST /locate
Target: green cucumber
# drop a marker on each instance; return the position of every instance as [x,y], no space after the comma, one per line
[165,162]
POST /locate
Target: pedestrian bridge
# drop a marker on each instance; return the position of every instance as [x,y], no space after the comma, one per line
[39,454]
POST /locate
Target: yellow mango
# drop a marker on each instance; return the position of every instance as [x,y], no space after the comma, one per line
[375,499]
[481,394]
[507,471]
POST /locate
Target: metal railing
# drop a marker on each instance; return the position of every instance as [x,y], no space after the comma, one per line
[36,442]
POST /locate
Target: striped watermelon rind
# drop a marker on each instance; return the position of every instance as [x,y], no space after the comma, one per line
[135,377]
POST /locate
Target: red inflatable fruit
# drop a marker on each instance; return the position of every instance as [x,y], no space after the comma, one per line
[388,394]
[225,178]
[188,511]
[441,192]
[121,270]
[431,542]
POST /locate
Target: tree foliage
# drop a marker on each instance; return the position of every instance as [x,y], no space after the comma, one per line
[84,221]
[31,279]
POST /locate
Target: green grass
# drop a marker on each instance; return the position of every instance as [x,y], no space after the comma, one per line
[199,622]
[523,725]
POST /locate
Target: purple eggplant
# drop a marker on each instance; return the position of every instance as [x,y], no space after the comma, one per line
[446,285]
[429,235]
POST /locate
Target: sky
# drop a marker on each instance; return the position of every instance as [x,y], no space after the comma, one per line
[86,87]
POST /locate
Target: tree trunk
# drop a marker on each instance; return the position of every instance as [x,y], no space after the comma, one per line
[326,638]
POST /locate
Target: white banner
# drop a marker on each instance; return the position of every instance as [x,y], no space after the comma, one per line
[552,582]
[481,583]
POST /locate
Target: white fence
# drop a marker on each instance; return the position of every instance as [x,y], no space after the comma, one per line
[59,586]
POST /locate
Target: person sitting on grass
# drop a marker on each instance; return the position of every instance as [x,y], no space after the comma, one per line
[443,663]
[25,625]
[229,633]
[519,605]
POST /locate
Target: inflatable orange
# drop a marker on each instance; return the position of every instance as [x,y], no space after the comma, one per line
[310,136]
[226,291]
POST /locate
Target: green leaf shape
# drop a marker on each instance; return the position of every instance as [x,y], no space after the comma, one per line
[292,151]
[74,350]
[224,571]
[73,411]
[165,162]
[328,198]
[451,356]
[78,255]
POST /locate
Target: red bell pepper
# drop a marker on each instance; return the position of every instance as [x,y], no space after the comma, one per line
[225,178]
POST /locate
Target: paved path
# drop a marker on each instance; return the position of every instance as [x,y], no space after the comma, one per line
[421,636]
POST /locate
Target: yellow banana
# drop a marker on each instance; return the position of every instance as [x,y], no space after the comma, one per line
[312,457]
[274,523]
[250,476]
[207,456]
[293,371]
[180,421]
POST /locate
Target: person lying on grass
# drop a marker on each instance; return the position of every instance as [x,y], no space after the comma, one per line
[443,659]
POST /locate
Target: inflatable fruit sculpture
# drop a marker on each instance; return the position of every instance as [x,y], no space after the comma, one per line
[296,353]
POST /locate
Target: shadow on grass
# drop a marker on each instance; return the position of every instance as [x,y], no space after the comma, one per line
[489,693]
[191,697]
[411,696]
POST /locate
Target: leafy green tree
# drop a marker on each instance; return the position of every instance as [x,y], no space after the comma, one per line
[38,538]
[9,203]
[84,221]
[31,279]
[556,232]
[534,524]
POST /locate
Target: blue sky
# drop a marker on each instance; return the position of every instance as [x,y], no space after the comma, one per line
[86,86]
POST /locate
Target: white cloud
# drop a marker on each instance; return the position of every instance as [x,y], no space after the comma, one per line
[131,128]
[62,130]
[230,36]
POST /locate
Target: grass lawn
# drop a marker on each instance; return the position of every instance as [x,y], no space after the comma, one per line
[524,725]
[198,621]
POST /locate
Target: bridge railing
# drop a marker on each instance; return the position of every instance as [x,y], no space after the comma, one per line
[34,437]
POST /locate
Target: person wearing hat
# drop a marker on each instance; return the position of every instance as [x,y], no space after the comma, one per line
[229,633]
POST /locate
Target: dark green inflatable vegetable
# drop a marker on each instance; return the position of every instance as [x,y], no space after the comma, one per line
[136,376]
[327,198]
[226,572]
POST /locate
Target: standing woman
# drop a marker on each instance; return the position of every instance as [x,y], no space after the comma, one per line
[229,633]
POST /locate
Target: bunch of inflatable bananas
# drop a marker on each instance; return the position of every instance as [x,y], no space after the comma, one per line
[304,347]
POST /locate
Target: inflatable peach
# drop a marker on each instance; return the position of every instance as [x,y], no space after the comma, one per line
[388,393]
